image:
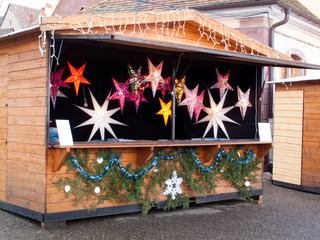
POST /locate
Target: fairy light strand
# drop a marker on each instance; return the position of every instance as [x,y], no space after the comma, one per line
[166,25]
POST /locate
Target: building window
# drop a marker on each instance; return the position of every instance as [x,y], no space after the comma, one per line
[295,72]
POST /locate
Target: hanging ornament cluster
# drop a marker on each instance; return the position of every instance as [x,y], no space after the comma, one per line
[133,90]
[216,113]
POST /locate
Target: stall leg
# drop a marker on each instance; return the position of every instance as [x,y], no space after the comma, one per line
[257,199]
[53,225]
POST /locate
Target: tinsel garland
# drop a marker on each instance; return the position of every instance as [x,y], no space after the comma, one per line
[155,161]
[127,184]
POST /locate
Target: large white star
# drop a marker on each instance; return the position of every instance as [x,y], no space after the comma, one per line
[100,118]
[216,116]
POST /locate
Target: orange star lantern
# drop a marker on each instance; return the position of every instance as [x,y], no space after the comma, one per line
[165,110]
[76,77]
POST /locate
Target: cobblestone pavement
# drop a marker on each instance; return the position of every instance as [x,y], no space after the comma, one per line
[284,214]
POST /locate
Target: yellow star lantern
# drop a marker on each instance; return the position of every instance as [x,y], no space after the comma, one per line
[165,110]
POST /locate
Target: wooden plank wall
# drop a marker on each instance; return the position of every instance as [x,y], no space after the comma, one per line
[3,124]
[287,150]
[310,166]
[27,109]
[56,201]
[311,135]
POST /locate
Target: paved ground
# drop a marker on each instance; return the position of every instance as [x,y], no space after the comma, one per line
[284,214]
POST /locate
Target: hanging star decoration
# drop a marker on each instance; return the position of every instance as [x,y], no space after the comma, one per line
[193,101]
[135,79]
[180,88]
[216,116]
[136,98]
[243,101]
[154,76]
[173,186]
[165,110]
[55,83]
[100,118]
[121,92]
[76,77]
[222,83]
[165,86]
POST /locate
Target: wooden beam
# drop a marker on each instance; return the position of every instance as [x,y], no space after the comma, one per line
[264,149]
[143,155]
[210,152]
[59,156]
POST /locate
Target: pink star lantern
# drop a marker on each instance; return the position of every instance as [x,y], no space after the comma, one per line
[243,101]
[193,101]
[222,83]
[165,86]
[121,92]
[136,98]
[76,77]
[56,83]
[154,76]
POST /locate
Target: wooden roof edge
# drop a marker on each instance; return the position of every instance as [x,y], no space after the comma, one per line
[297,79]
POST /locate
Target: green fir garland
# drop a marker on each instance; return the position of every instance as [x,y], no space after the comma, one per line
[115,186]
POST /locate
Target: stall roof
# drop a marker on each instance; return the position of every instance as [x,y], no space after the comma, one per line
[297,79]
[186,31]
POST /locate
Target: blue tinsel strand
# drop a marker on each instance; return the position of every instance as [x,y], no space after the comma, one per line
[221,153]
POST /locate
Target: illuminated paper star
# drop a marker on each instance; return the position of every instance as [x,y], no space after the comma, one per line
[193,101]
[55,83]
[76,77]
[154,76]
[136,98]
[243,101]
[121,92]
[54,98]
[180,89]
[216,116]
[100,118]
[222,83]
[135,79]
[165,86]
[165,110]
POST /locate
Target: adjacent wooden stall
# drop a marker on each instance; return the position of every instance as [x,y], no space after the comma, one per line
[297,134]
[213,133]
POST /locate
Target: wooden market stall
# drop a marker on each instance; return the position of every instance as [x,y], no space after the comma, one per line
[79,68]
[297,134]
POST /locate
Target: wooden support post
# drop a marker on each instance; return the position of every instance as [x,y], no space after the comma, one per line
[59,156]
[143,154]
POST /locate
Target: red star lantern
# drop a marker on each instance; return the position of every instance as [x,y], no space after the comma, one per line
[56,83]
[76,77]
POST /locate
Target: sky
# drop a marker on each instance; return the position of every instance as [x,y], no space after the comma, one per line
[312,5]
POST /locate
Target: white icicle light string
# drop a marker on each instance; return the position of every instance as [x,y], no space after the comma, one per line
[166,26]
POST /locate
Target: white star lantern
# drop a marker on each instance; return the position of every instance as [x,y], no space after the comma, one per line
[216,116]
[100,118]
[173,186]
